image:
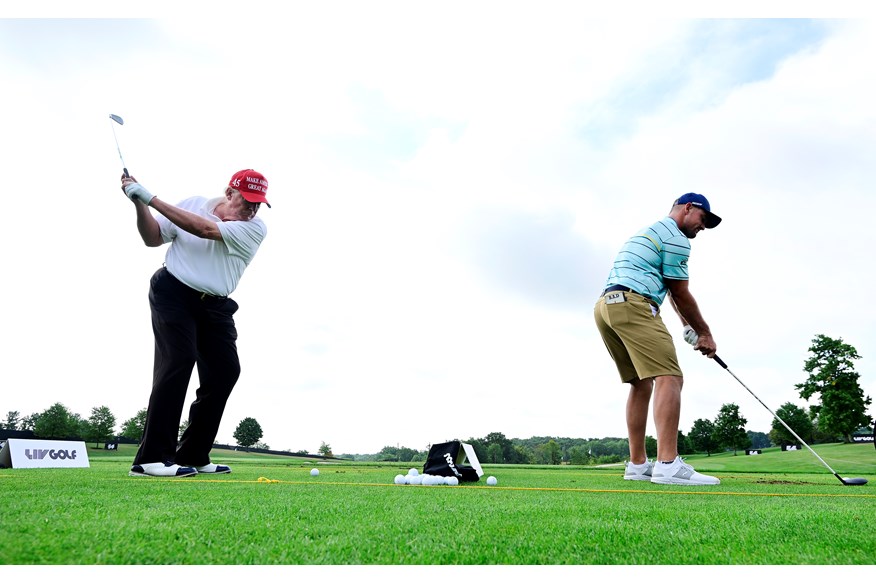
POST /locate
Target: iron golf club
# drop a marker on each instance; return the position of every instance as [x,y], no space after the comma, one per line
[846,481]
[121,122]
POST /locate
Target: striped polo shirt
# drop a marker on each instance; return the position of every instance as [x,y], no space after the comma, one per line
[646,260]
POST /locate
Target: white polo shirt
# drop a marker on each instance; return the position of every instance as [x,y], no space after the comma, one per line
[209,265]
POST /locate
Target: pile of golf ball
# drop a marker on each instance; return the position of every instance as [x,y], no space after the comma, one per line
[415,478]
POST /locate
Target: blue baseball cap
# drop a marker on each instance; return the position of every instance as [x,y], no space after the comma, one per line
[700,201]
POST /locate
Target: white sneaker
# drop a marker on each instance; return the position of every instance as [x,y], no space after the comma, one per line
[638,472]
[161,469]
[680,473]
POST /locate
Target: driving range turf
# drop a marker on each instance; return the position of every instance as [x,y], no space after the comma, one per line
[777,508]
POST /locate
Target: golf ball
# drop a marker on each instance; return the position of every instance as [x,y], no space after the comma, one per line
[413,480]
[491,481]
[314,472]
[413,472]
[400,479]
[452,481]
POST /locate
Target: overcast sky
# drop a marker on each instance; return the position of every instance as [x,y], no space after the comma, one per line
[449,190]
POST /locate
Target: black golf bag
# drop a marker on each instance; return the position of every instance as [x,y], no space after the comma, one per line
[445,460]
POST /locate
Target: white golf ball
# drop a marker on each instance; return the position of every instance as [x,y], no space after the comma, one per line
[314,472]
[413,472]
[400,479]
[491,481]
[452,481]
[428,480]
[414,480]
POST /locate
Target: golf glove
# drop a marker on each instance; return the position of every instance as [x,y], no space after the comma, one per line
[137,191]
[690,335]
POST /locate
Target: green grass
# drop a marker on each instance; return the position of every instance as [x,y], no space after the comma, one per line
[779,508]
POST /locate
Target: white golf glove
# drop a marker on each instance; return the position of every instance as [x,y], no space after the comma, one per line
[690,335]
[137,191]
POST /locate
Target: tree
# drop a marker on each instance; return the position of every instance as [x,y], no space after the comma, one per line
[133,428]
[499,448]
[684,446]
[702,437]
[28,422]
[182,428]
[578,455]
[759,440]
[396,454]
[843,405]
[325,449]
[797,419]
[730,428]
[12,421]
[494,454]
[548,453]
[520,455]
[56,422]
[100,426]
[248,432]
[650,447]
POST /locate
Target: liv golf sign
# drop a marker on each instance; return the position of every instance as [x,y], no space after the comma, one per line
[43,454]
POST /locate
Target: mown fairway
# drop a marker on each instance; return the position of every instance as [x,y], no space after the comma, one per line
[779,508]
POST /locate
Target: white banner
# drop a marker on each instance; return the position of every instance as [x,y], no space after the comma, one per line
[19,453]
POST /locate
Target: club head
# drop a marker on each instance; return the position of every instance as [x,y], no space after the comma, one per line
[854,481]
[117,119]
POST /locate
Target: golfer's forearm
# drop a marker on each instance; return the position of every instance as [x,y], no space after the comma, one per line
[148,227]
[689,311]
[677,311]
[194,224]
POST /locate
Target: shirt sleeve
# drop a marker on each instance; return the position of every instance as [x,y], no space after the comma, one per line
[168,229]
[676,252]
[243,238]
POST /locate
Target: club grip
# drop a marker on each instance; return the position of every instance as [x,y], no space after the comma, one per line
[125,170]
[720,362]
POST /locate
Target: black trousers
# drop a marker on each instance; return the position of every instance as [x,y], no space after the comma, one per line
[190,329]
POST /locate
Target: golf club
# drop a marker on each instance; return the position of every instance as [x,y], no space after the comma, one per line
[846,481]
[121,122]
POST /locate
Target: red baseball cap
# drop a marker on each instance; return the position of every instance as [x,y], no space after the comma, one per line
[253,186]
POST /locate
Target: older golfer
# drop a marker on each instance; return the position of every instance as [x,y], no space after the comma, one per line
[212,241]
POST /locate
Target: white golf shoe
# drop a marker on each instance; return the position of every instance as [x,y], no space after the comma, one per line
[213,469]
[680,473]
[638,472]
[161,469]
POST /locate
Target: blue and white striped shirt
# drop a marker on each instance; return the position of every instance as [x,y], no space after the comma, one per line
[646,260]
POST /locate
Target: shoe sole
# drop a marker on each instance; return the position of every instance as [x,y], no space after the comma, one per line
[217,472]
[673,481]
[637,478]
[143,474]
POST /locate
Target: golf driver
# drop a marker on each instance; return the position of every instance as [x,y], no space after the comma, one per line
[121,122]
[846,481]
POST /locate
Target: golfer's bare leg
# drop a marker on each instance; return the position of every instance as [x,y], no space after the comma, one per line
[637,417]
[667,410]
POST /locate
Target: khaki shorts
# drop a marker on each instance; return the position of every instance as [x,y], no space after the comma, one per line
[636,337]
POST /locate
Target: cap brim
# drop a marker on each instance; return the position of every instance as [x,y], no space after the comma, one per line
[712,220]
[261,199]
